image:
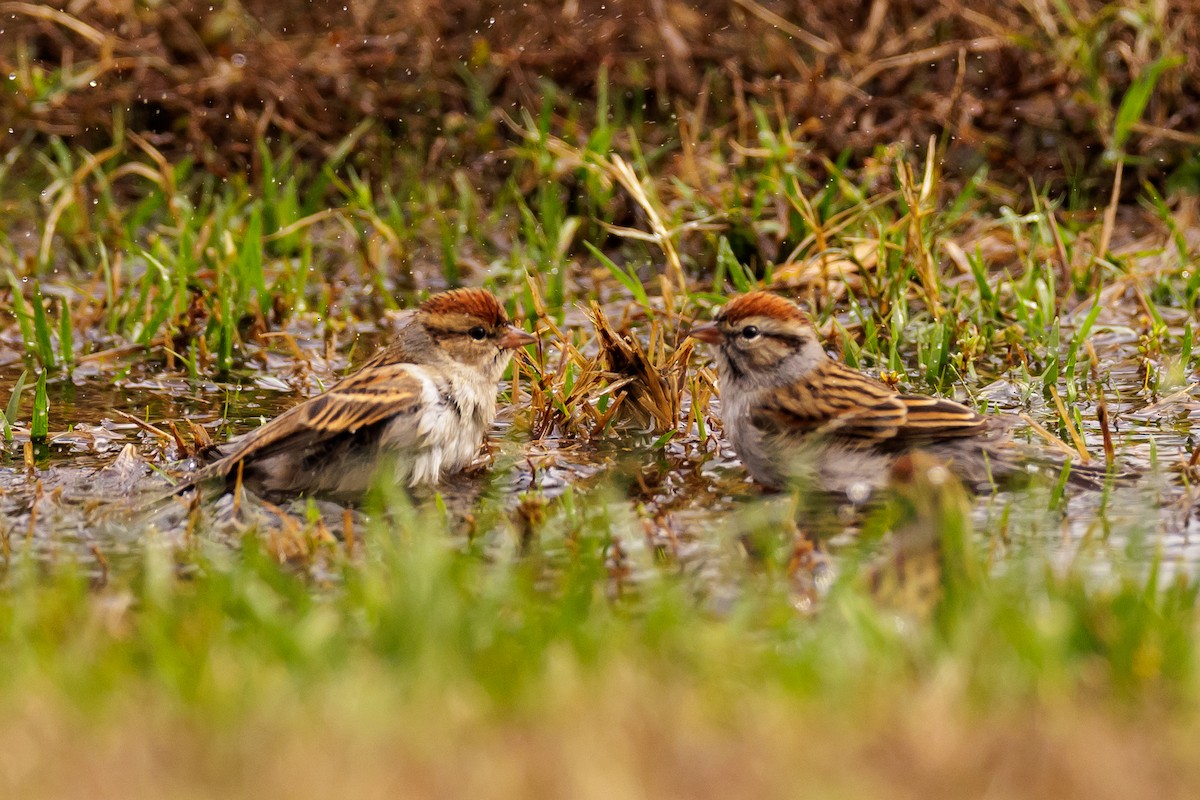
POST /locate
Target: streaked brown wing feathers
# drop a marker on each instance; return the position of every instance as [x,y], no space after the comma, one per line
[838,401]
[933,418]
[874,423]
[366,398]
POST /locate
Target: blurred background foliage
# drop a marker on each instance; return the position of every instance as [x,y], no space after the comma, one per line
[1043,91]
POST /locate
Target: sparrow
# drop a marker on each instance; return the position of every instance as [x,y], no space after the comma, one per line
[793,412]
[422,404]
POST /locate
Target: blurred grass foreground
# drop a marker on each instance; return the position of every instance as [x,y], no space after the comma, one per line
[211,209]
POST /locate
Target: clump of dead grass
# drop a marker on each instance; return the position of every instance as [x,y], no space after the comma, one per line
[612,381]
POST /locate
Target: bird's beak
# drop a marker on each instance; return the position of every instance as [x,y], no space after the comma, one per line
[514,337]
[709,334]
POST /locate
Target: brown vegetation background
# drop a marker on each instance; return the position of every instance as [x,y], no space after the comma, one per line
[1030,87]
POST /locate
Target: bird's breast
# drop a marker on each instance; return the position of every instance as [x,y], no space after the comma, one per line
[455,415]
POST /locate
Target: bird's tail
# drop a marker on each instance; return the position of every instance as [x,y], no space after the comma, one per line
[1002,464]
[1095,477]
[206,483]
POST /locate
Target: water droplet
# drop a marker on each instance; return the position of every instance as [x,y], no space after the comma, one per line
[858,492]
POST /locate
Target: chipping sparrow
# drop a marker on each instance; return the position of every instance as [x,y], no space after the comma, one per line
[424,402]
[793,412]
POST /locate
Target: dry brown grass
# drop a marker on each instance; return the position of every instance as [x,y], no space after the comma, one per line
[611,381]
[1026,87]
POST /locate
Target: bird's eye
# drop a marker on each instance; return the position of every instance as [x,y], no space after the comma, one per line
[478,333]
[750,332]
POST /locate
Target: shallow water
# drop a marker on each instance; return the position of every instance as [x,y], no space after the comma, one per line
[687,505]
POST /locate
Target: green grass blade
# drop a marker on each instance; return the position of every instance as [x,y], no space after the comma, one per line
[249,265]
[24,315]
[14,406]
[1081,335]
[1134,103]
[66,336]
[41,329]
[627,279]
[39,427]
[739,276]
[14,402]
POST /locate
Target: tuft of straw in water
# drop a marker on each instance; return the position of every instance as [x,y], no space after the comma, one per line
[652,380]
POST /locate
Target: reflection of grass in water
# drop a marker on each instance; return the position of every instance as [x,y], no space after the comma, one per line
[577,625]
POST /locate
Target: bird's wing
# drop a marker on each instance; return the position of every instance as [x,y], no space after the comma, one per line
[932,419]
[368,397]
[840,402]
[837,401]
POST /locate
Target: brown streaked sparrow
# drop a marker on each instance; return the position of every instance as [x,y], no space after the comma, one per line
[792,412]
[423,403]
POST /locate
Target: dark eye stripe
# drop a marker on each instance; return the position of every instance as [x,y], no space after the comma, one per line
[790,338]
[785,337]
[491,334]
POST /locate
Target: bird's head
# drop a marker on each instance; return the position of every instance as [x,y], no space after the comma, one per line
[471,328]
[762,337]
